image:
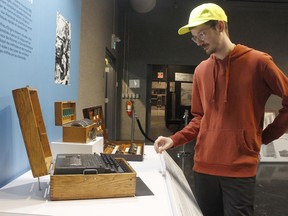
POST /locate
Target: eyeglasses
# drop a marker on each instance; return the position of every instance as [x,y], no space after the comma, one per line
[200,36]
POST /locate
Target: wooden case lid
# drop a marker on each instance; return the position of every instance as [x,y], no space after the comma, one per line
[33,130]
[95,114]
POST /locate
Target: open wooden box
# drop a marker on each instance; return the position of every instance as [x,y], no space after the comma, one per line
[65,116]
[117,148]
[64,187]
[120,148]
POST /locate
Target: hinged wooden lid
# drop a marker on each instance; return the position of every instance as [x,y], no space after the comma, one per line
[33,130]
[95,114]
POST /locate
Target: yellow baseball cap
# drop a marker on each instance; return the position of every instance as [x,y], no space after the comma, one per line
[202,14]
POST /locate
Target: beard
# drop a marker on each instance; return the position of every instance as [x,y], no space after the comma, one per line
[208,49]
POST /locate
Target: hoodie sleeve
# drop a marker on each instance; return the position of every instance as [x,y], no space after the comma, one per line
[191,130]
[277,81]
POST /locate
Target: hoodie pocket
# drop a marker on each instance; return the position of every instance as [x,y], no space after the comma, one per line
[223,146]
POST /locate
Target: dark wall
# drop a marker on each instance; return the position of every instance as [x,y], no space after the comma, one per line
[152,37]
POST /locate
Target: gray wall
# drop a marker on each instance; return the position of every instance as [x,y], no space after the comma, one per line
[97,25]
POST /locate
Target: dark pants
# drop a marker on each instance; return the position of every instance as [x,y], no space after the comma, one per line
[224,196]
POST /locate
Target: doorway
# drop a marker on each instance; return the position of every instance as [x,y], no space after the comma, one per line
[110,94]
[169,91]
[158,109]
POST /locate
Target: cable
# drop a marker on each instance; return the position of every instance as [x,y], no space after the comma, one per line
[146,136]
[142,131]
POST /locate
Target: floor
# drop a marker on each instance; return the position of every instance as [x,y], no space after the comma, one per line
[271,197]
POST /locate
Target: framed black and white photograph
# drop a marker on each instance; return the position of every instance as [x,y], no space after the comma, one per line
[62,50]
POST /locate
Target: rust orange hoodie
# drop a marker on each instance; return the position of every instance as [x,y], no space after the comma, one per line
[228,105]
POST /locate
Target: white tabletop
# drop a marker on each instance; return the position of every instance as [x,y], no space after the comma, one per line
[22,196]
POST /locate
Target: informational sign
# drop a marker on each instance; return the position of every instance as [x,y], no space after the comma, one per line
[16,29]
[183,77]
[135,83]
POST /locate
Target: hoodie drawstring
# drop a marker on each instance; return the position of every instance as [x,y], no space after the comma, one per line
[227,72]
[214,83]
[227,76]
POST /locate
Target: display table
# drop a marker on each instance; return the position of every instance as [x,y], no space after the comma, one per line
[171,194]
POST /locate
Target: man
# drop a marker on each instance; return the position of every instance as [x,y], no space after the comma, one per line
[230,90]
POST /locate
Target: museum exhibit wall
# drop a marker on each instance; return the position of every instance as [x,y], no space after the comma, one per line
[92,24]
[147,38]
[27,56]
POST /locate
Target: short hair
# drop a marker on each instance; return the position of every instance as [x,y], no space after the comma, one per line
[213,23]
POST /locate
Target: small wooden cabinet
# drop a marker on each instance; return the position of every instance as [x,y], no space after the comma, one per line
[65,116]
[65,112]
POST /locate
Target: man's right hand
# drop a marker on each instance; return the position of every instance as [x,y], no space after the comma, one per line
[163,143]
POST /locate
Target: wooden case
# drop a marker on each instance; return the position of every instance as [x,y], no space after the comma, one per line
[79,134]
[120,148]
[117,148]
[96,115]
[65,112]
[65,115]
[64,187]
[67,187]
